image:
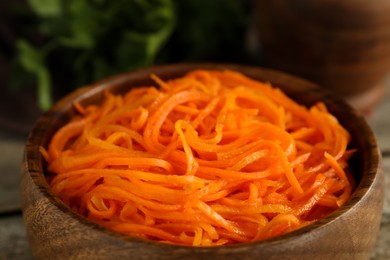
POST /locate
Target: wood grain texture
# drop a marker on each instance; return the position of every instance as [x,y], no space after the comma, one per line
[57,233]
[13,240]
[341,45]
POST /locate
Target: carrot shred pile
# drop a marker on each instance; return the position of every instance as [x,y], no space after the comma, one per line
[208,159]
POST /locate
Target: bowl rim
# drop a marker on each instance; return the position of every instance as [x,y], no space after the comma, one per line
[36,165]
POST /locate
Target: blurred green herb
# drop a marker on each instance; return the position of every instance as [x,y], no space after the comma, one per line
[81,41]
[209,31]
[33,61]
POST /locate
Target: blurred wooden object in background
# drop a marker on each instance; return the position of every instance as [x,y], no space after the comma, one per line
[341,45]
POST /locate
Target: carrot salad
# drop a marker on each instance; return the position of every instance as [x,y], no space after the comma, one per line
[211,158]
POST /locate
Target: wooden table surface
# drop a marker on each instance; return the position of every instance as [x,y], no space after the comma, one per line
[13,240]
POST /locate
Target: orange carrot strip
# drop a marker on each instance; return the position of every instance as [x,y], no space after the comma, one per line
[62,137]
[211,158]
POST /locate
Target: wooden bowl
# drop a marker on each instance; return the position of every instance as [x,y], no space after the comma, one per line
[55,231]
[341,45]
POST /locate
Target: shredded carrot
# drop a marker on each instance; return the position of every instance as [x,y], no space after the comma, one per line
[212,158]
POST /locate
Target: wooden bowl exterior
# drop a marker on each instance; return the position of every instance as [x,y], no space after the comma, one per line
[55,232]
